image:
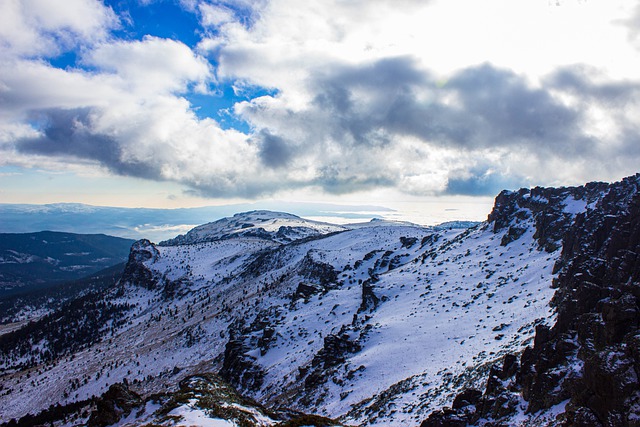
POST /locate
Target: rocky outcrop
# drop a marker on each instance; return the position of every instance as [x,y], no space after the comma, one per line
[551,210]
[590,359]
[498,401]
[337,347]
[135,272]
[239,368]
[370,300]
[317,271]
[118,402]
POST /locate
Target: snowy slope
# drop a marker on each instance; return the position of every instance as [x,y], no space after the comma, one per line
[277,226]
[374,324]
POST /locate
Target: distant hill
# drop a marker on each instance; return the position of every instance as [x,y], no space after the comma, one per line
[36,260]
[28,303]
[154,224]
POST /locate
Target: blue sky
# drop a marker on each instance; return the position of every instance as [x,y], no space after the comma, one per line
[169,103]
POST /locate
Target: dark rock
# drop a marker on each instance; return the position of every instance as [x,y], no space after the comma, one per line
[583,417]
[545,207]
[444,418]
[238,367]
[429,239]
[116,403]
[512,234]
[334,352]
[369,299]
[408,242]
[319,272]
[305,291]
[468,397]
[135,271]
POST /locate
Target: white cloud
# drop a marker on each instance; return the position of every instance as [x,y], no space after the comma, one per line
[215,15]
[44,28]
[127,115]
[152,65]
[420,97]
[474,82]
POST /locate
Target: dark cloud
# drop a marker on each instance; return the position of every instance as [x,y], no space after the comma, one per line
[579,80]
[349,130]
[275,152]
[494,108]
[618,98]
[504,110]
[386,85]
[67,133]
[364,109]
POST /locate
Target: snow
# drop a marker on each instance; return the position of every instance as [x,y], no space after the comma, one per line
[264,221]
[546,418]
[442,301]
[136,416]
[574,206]
[191,416]
[17,258]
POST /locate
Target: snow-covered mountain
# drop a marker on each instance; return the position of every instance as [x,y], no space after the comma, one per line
[372,324]
[276,226]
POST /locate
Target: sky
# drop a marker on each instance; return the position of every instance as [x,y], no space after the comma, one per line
[408,104]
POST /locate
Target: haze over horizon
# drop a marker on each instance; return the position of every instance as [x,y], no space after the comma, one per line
[410,105]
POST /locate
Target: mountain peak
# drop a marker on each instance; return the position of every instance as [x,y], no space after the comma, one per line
[550,210]
[279,227]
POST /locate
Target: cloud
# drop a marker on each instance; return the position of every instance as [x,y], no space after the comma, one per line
[68,133]
[152,65]
[362,118]
[275,152]
[345,97]
[482,182]
[633,25]
[45,28]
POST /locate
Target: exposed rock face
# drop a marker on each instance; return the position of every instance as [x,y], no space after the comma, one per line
[369,299]
[239,368]
[590,359]
[135,271]
[332,355]
[549,208]
[116,403]
[317,271]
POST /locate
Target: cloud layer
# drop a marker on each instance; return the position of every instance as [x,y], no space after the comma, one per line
[361,97]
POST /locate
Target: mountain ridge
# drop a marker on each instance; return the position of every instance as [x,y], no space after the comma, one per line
[375,325]
[279,227]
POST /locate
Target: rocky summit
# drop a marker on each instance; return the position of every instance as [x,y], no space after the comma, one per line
[264,319]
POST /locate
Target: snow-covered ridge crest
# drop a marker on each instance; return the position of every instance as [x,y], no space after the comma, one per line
[276,226]
[549,210]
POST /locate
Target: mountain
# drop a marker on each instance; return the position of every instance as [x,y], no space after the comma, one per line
[29,304]
[153,224]
[583,370]
[276,226]
[36,260]
[528,316]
